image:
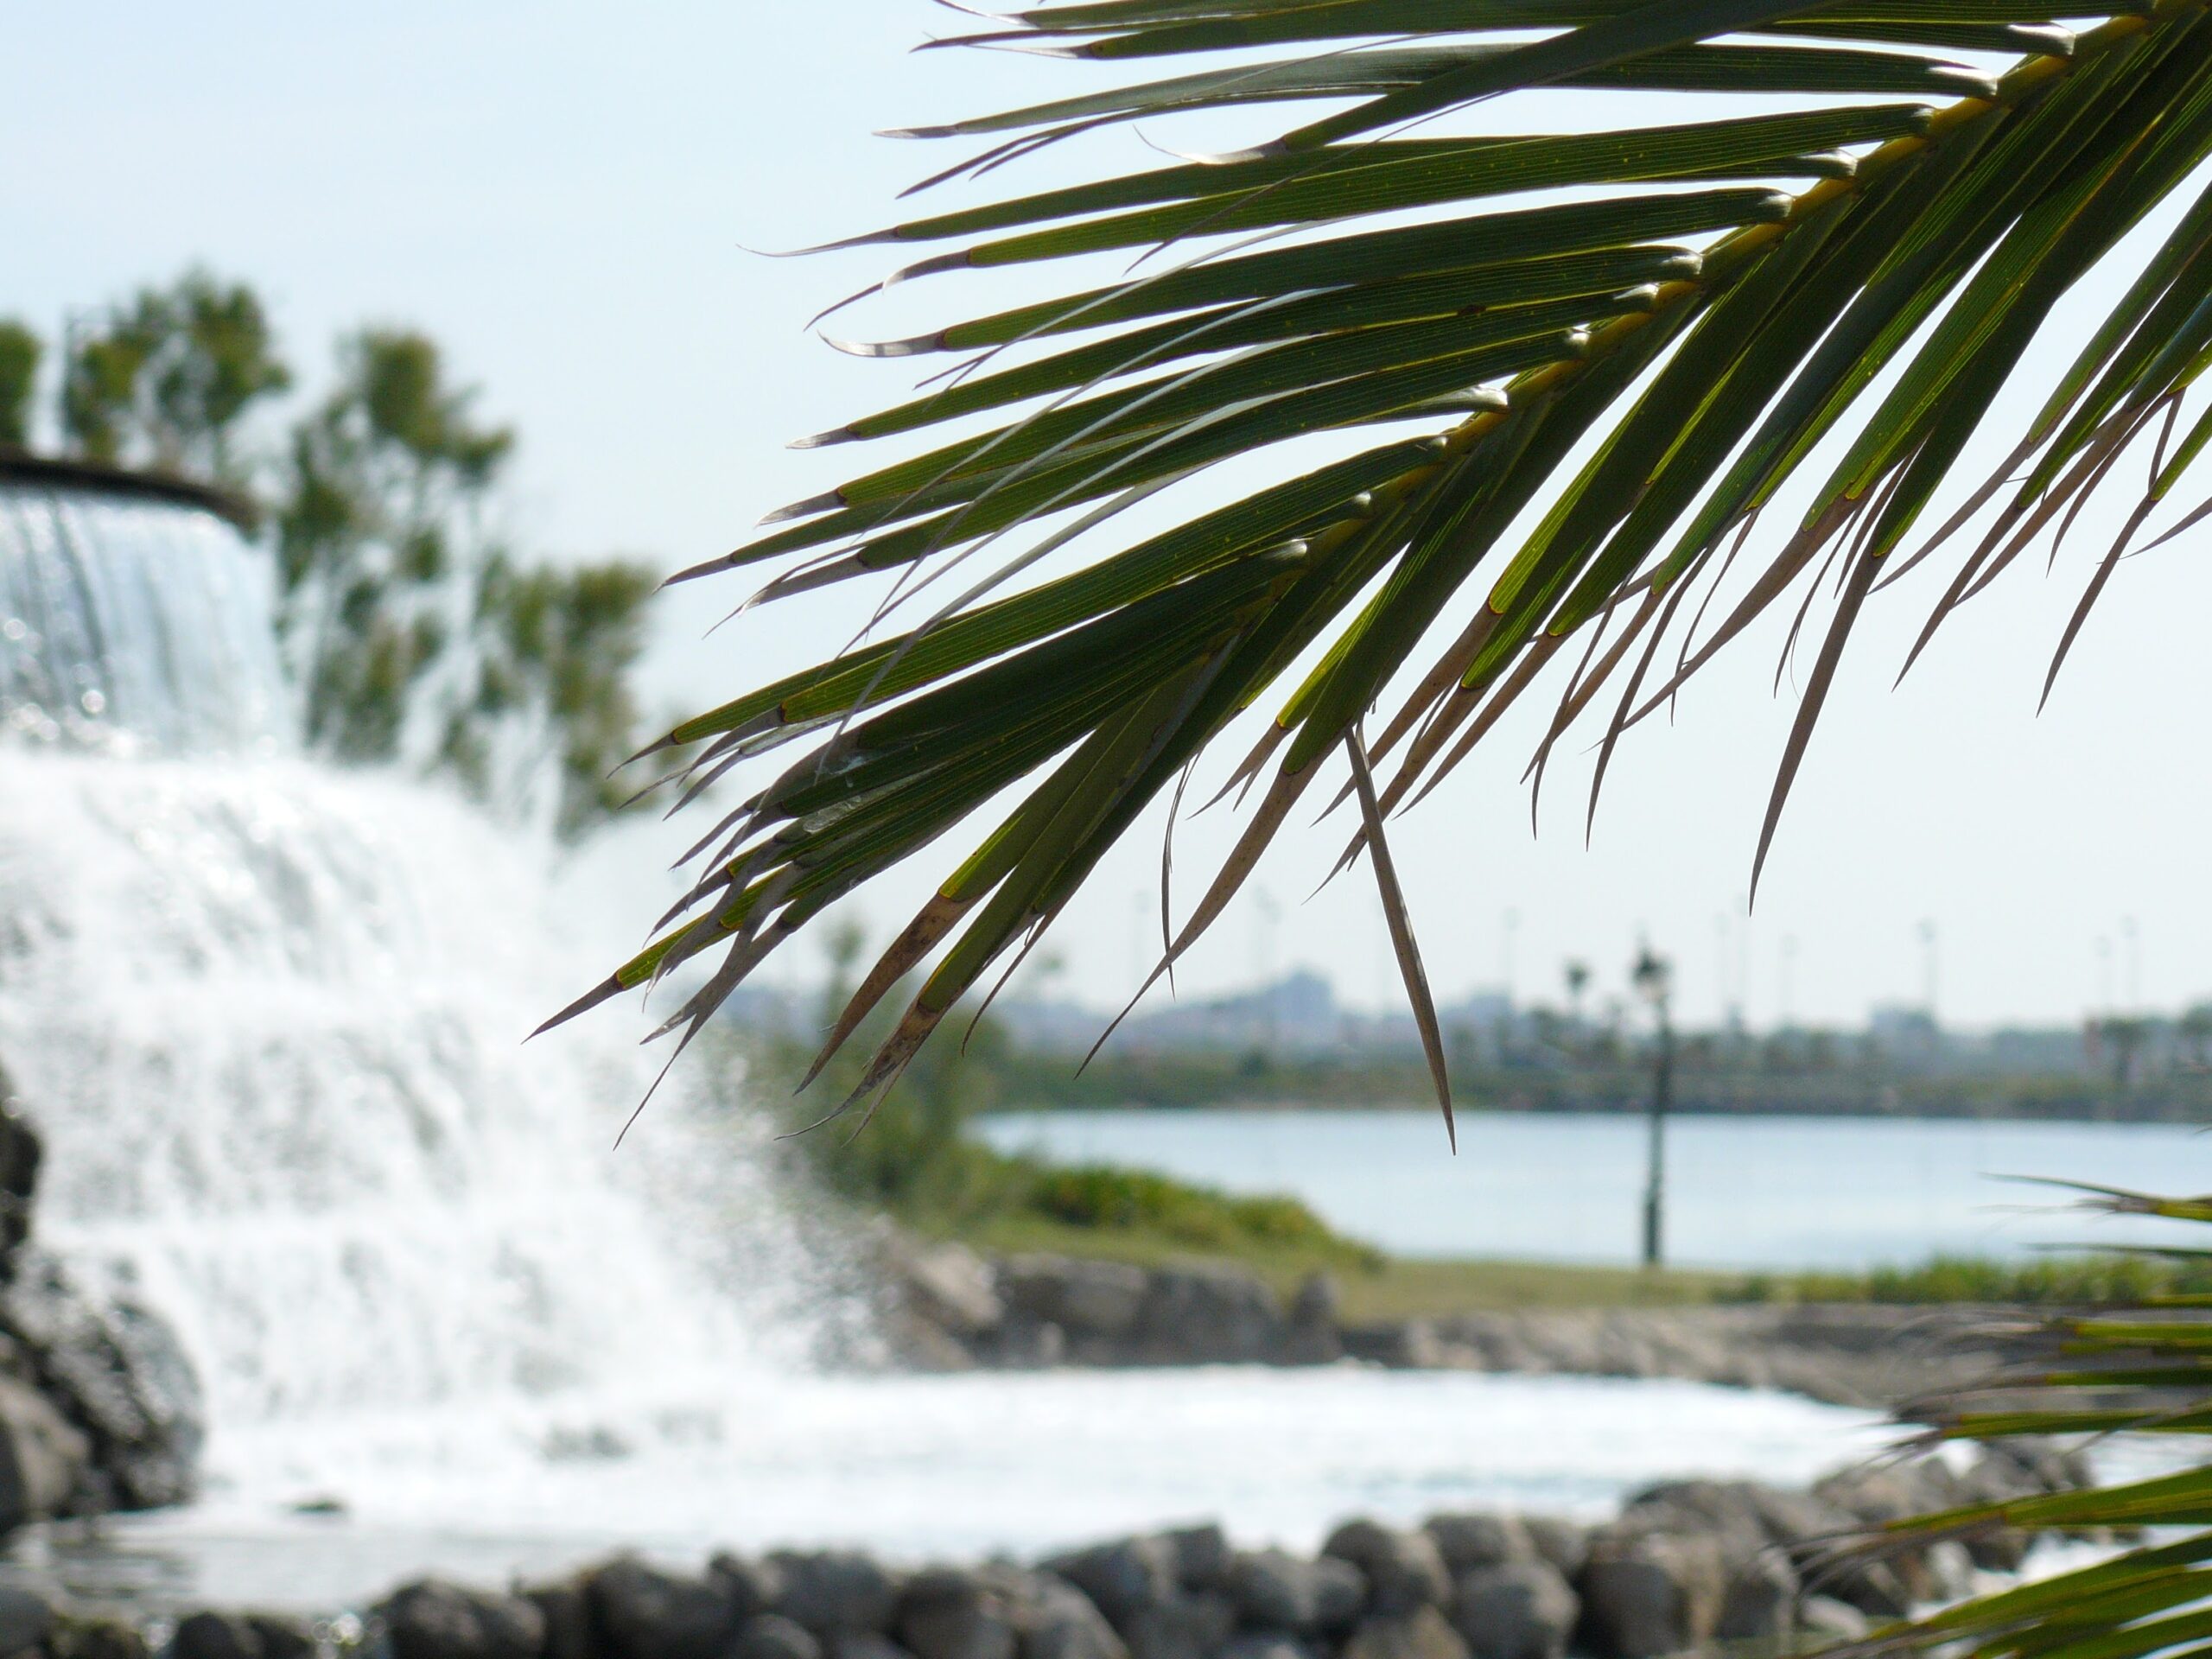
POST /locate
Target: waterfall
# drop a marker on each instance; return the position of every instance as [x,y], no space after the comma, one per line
[267,1016]
[137,621]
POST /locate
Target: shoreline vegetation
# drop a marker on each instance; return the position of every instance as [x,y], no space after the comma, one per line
[1255,1081]
[918,1167]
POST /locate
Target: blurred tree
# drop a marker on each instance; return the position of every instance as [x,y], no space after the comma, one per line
[20,351]
[165,378]
[418,637]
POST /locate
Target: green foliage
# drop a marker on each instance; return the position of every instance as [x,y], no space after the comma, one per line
[2129,1356]
[165,378]
[420,638]
[2044,1281]
[916,1162]
[20,351]
[1108,1199]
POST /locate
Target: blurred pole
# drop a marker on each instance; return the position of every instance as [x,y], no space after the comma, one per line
[1652,977]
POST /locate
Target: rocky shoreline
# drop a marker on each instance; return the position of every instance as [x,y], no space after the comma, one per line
[1686,1566]
[952,1310]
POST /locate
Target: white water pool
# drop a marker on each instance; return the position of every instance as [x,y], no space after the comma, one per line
[945,1466]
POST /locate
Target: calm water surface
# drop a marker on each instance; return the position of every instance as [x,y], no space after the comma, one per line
[1763,1192]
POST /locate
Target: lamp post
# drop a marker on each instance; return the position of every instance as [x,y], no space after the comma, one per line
[1653,978]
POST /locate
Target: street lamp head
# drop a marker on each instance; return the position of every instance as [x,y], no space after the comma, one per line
[1652,974]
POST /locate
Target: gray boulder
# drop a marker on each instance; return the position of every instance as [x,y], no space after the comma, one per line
[1515,1609]
[1186,1627]
[209,1635]
[1645,1595]
[751,1587]
[1060,1622]
[117,1370]
[1274,1589]
[641,1611]
[861,1644]
[1760,1603]
[1421,1634]
[26,1619]
[433,1618]
[948,1613]
[1404,1570]
[95,1638]
[44,1460]
[771,1636]
[836,1590]
[1266,1645]
[951,1287]
[1122,1578]
[566,1613]
[283,1637]
[1210,1312]
[1467,1541]
[1313,1336]
[1099,1300]
[1565,1544]
[1201,1555]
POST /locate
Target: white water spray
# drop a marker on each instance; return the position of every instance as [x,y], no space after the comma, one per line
[268,1017]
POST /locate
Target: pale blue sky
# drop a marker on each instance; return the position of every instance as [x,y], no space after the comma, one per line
[559,191]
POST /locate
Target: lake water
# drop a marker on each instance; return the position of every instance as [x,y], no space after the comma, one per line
[1751,1192]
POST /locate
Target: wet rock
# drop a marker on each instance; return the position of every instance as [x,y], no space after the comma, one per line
[1201,1555]
[1060,1622]
[1467,1541]
[116,1369]
[948,1613]
[863,1644]
[1515,1609]
[950,1286]
[283,1637]
[1209,1313]
[751,1587]
[1022,1343]
[567,1613]
[1122,1578]
[1266,1645]
[433,1618]
[1421,1634]
[1760,1603]
[20,1153]
[1650,1594]
[44,1458]
[1186,1627]
[1313,1338]
[215,1636]
[26,1620]
[771,1636]
[1404,1570]
[1084,1298]
[95,1638]
[1565,1544]
[1277,1591]
[641,1611]
[840,1590]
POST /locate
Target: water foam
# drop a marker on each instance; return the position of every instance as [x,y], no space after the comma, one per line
[268,1018]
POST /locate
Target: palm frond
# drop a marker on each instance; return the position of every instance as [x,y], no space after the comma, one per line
[1701,308]
[2142,1368]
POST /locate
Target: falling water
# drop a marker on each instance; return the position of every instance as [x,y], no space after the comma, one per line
[142,622]
[268,1017]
